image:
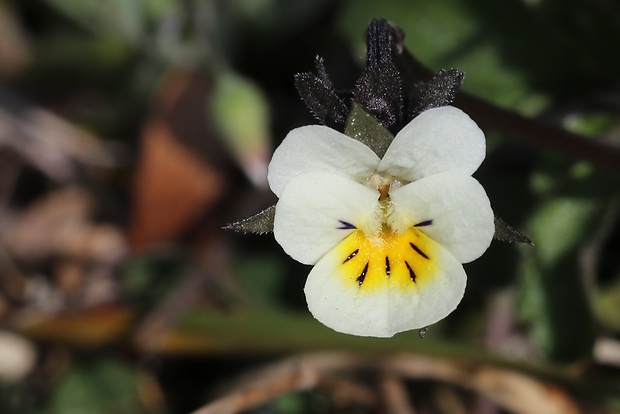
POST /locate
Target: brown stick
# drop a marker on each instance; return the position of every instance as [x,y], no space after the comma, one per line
[395,396]
[291,375]
[529,131]
[510,389]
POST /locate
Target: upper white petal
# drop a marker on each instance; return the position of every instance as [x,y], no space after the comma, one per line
[461,214]
[310,208]
[319,148]
[437,140]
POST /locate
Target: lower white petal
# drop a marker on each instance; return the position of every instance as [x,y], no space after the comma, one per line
[317,210]
[452,208]
[382,286]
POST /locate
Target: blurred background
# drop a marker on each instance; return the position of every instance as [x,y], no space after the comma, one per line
[132,131]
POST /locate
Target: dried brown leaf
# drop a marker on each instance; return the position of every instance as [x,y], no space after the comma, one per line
[59,225]
[92,327]
[175,181]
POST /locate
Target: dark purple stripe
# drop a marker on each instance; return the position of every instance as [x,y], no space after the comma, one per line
[362,275]
[344,225]
[423,223]
[351,256]
[418,251]
[411,272]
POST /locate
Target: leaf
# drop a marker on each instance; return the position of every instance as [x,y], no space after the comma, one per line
[87,328]
[96,387]
[379,92]
[553,297]
[260,223]
[607,306]
[209,331]
[179,175]
[320,97]
[15,48]
[439,91]
[263,276]
[379,44]
[379,89]
[365,128]
[113,18]
[506,233]
[240,112]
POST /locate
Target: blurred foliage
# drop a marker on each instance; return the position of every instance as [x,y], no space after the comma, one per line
[151,308]
[521,54]
[104,385]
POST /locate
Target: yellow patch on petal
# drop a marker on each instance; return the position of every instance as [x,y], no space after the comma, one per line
[406,261]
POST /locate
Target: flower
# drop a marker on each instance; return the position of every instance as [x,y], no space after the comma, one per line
[387,237]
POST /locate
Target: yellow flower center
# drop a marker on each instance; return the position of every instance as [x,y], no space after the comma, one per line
[385,248]
[404,260]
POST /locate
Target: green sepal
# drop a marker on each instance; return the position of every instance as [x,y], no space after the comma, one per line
[366,129]
[507,233]
[260,223]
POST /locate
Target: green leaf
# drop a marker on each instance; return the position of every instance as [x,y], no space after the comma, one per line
[553,297]
[97,387]
[607,306]
[240,112]
[208,331]
[262,275]
[365,128]
[117,18]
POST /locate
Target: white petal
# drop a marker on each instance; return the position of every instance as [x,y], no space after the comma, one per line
[382,306]
[313,210]
[461,214]
[319,148]
[437,140]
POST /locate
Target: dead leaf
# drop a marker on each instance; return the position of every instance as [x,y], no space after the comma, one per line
[15,50]
[177,178]
[97,326]
[510,389]
[59,225]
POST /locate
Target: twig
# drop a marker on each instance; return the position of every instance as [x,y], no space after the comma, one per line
[448,401]
[526,130]
[151,335]
[509,388]
[270,383]
[46,141]
[347,392]
[395,396]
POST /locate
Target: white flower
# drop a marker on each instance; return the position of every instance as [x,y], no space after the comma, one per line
[387,236]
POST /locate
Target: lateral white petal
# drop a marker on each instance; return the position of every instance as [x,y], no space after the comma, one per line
[390,304]
[437,140]
[319,148]
[452,208]
[317,210]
